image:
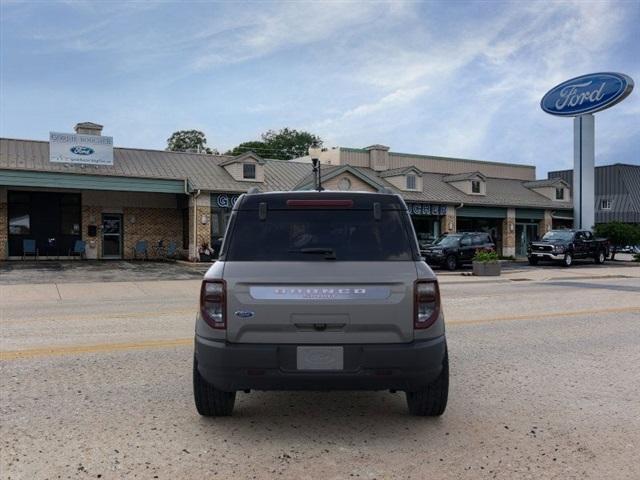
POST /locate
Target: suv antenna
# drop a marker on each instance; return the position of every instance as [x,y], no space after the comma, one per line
[317,174]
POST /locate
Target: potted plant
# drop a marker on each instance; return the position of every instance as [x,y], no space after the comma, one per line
[205,253]
[486,264]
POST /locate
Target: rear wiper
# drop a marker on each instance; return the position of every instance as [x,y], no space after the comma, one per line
[329,253]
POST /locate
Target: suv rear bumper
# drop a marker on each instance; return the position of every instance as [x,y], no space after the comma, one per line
[406,366]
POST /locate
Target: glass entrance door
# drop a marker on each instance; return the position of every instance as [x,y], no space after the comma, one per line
[111,235]
[525,233]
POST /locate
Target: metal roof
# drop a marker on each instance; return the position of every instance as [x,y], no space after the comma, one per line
[400,171]
[205,172]
[201,170]
[463,176]
[620,184]
[547,182]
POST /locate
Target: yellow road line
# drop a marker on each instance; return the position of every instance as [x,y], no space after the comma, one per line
[179,342]
[574,313]
[165,313]
[104,347]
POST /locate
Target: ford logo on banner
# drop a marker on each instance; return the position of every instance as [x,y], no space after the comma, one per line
[587,94]
[79,150]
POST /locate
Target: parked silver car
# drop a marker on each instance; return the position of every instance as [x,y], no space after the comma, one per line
[320,291]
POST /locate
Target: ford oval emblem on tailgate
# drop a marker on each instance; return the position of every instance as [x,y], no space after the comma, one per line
[244,314]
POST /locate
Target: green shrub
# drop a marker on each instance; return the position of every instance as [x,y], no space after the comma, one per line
[482,256]
[619,234]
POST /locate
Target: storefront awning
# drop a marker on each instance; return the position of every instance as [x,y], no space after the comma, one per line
[27,178]
[482,212]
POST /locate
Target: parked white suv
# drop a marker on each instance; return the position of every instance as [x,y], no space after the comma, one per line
[320,291]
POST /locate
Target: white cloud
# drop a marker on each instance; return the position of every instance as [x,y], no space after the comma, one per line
[287,25]
[483,79]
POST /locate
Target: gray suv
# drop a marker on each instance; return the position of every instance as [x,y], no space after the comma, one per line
[320,291]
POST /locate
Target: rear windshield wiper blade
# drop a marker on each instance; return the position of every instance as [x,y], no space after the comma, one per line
[329,253]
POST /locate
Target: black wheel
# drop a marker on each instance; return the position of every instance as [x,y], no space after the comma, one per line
[600,257]
[533,261]
[451,263]
[211,402]
[568,260]
[432,401]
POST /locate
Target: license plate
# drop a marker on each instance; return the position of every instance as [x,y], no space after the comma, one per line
[539,255]
[320,358]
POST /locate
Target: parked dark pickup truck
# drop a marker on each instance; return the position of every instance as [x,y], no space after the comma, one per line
[565,246]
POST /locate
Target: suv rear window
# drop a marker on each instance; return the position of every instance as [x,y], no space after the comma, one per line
[481,239]
[319,235]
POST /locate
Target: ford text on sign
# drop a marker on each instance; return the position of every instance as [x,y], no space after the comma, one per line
[85,149]
[587,94]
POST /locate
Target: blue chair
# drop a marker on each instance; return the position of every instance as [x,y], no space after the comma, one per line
[29,248]
[79,248]
[172,249]
[142,249]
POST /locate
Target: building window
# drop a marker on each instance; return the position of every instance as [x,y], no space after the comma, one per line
[559,193]
[249,170]
[475,186]
[70,214]
[411,182]
[605,204]
[19,213]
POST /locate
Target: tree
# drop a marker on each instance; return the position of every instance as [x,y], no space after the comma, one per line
[619,234]
[288,144]
[188,141]
[257,147]
[284,144]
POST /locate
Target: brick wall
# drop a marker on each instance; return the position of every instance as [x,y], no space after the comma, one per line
[509,233]
[449,219]
[152,225]
[545,224]
[92,216]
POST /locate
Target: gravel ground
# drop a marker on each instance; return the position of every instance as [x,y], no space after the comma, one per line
[549,389]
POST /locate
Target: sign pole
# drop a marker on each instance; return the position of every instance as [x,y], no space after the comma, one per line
[583,171]
[579,98]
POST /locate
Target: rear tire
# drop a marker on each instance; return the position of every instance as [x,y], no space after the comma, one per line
[211,402]
[600,257]
[451,263]
[568,260]
[533,261]
[432,401]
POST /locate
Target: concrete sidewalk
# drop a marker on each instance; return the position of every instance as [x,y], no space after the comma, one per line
[544,273]
[89,271]
[28,293]
[66,292]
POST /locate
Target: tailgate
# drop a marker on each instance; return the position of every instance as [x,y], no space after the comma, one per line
[303,303]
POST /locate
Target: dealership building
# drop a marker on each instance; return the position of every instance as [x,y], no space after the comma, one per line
[113,198]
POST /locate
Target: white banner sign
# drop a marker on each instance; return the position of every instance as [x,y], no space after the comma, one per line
[74,148]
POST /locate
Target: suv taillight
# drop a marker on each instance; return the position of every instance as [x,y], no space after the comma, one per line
[213,303]
[426,304]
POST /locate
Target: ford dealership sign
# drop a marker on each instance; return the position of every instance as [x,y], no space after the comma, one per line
[80,149]
[587,94]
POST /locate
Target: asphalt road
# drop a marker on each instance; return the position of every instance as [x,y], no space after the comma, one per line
[545,384]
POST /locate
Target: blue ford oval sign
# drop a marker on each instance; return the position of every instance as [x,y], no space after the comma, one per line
[587,94]
[79,150]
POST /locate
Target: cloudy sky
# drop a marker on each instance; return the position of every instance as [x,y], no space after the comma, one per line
[451,78]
